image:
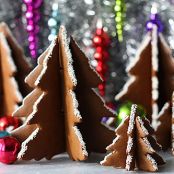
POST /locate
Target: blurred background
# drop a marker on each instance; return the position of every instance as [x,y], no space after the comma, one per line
[108,31]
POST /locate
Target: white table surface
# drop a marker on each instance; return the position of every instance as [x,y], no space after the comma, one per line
[61,164]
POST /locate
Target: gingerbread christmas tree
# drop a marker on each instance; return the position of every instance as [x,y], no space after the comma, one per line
[134,146]
[63,111]
[165,132]
[151,83]
[13,68]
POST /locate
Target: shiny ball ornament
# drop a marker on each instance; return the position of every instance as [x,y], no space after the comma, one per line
[4,134]
[9,148]
[125,110]
[9,123]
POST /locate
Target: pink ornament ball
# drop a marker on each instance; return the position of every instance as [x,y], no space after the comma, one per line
[9,148]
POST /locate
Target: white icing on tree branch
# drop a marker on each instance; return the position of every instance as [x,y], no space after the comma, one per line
[153,162]
[77,132]
[68,54]
[132,118]
[145,131]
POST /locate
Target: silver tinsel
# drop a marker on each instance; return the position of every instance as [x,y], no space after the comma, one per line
[11,13]
[80,18]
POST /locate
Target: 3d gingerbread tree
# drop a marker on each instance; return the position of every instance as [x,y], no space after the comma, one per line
[13,69]
[151,75]
[62,96]
[134,146]
[165,132]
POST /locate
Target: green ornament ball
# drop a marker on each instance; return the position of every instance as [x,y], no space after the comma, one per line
[125,110]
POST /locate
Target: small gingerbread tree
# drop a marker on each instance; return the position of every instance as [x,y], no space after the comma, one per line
[62,95]
[134,145]
[151,83]
[164,131]
[13,68]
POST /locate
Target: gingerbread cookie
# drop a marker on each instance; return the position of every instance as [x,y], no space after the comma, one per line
[152,69]
[12,72]
[134,146]
[63,111]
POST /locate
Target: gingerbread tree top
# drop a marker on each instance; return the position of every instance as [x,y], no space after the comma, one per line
[62,96]
[13,69]
[152,69]
[134,145]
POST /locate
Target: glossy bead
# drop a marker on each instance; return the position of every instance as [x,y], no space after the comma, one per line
[9,148]
[9,123]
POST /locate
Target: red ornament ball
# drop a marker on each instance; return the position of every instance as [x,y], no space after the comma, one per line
[9,123]
[9,148]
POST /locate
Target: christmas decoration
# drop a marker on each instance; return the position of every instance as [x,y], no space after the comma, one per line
[122,111]
[134,145]
[54,21]
[125,109]
[14,67]
[154,19]
[134,29]
[109,122]
[101,43]
[4,134]
[81,23]
[151,83]
[120,9]
[9,148]
[55,108]
[9,123]
[33,16]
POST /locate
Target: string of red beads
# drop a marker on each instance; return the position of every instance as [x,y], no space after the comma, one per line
[101,42]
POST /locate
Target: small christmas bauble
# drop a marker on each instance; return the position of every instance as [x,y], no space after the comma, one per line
[9,123]
[9,148]
[4,134]
[125,110]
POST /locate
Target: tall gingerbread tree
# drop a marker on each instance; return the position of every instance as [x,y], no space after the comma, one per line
[13,68]
[62,96]
[134,146]
[151,75]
